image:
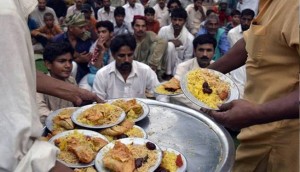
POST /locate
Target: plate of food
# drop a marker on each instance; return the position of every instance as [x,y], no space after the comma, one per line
[169,88]
[125,129]
[86,169]
[135,109]
[78,148]
[98,116]
[208,88]
[172,161]
[133,153]
[60,120]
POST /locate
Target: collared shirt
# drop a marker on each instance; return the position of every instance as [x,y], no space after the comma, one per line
[109,83]
[103,15]
[72,10]
[123,29]
[138,9]
[235,34]
[38,16]
[162,15]
[194,18]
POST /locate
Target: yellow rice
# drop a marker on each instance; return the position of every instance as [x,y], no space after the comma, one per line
[169,161]
[161,90]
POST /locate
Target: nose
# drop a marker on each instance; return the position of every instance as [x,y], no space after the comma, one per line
[68,64]
[205,53]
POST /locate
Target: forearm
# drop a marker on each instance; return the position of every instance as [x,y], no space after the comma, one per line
[233,59]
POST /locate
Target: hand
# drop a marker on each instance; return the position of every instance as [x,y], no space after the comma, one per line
[176,42]
[236,114]
[83,57]
[101,44]
[82,97]
[154,68]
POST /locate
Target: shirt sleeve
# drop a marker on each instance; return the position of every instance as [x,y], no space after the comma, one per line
[224,45]
[43,108]
[100,84]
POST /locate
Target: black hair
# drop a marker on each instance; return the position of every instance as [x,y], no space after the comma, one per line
[197,0]
[48,15]
[107,24]
[122,40]
[174,1]
[119,11]
[209,11]
[54,49]
[248,12]
[149,10]
[204,39]
[179,13]
[235,12]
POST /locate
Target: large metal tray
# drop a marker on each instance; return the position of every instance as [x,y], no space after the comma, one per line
[207,146]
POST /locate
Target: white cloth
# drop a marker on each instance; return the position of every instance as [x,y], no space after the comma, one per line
[238,75]
[130,12]
[162,15]
[251,4]
[72,10]
[109,83]
[19,122]
[103,15]
[178,54]
[194,18]
[38,16]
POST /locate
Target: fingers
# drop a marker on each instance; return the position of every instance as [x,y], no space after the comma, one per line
[226,106]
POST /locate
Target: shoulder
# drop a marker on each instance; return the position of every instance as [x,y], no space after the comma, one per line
[186,63]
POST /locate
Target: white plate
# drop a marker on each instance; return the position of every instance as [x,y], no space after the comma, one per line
[83,108]
[146,109]
[184,166]
[142,130]
[126,141]
[49,119]
[86,133]
[233,93]
[171,94]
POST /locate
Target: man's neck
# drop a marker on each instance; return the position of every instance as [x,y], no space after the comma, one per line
[107,9]
[132,5]
[139,38]
[125,74]
[177,33]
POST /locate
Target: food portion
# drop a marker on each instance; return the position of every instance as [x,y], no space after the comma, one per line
[62,121]
[100,114]
[170,162]
[88,169]
[131,107]
[207,87]
[131,157]
[170,87]
[76,147]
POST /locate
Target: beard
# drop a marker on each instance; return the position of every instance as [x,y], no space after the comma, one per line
[124,67]
[244,27]
[203,62]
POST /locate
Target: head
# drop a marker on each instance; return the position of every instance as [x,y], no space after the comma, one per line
[210,11]
[122,48]
[77,26]
[236,16]
[149,14]
[139,26]
[204,49]
[105,30]
[86,9]
[106,3]
[49,20]
[212,24]
[119,15]
[246,18]
[223,5]
[42,5]
[173,4]
[131,2]
[178,18]
[198,4]
[78,3]
[58,59]
[161,3]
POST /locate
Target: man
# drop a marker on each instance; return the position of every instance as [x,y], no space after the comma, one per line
[79,38]
[179,39]
[173,4]
[212,26]
[132,8]
[101,55]
[239,75]
[204,50]
[235,20]
[120,26]
[151,23]
[86,9]
[150,49]
[161,13]
[40,10]
[76,8]
[196,14]
[106,12]
[124,77]
[269,114]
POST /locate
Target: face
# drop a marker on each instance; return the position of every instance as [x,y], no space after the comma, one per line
[149,17]
[104,34]
[77,31]
[223,6]
[106,3]
[61,67]
[173,6]
[236,19]
[131,2]
[212,26]
[198,4]
[124,59]
[42,5]
[139,28]
[177,23]
[78,3]
[49,21]
[161,3]
[204,53]
[246,21]
[119,19]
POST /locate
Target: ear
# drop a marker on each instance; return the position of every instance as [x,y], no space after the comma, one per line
[48,64]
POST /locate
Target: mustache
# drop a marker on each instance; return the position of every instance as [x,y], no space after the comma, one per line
[205,58]
[125,66]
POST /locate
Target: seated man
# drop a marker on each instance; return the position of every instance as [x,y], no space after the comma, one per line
[212,26]
[100,53]
[204,48]
[151,24]
[124,77]
[179,39]
[58,60]
[120,27]
[150,49]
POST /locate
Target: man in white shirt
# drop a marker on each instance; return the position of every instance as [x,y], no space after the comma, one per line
[179,39]
[124,77]
[161,13]
[106,12]
[204,50]
[239,75]
[133,8]
[196,14]
[76,8]
[40,10]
